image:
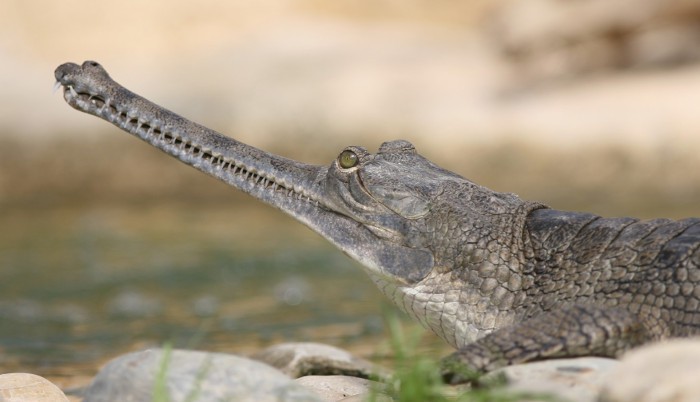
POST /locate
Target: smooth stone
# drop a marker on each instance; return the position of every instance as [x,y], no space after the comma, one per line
[308,358]
[575,380]
[379,397]
[193,375]
[332,388]
[664,371]
[25,387]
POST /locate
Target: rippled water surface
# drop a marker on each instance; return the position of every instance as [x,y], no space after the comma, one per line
[81,285]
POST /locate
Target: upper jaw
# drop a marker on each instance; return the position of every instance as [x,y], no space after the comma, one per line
[83,94]
[66,74]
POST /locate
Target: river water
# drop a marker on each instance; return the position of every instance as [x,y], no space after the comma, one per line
[81,285]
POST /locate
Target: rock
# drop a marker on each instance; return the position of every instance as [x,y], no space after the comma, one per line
[574,380]
[24,387]
[302,359]
[666,371]
[333,388]
[555,38]
[192,375]
[365,397]
[134,304]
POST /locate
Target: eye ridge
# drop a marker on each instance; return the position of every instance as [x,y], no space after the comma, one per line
[348,159]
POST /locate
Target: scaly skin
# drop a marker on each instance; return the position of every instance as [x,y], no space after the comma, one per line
[501,279]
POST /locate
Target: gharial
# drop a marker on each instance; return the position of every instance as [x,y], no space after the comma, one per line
[501,279]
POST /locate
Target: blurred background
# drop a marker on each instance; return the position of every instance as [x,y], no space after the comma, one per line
[107,245]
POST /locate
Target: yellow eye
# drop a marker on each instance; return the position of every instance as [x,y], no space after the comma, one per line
[348,159]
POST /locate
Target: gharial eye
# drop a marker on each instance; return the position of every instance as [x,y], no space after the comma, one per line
[348,159]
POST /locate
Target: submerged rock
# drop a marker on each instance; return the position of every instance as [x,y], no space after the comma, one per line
[25,387]
[308,358]
[180,375]
[665,371]
[134,304]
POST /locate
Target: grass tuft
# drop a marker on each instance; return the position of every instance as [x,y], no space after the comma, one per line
[160,386]
[417,377]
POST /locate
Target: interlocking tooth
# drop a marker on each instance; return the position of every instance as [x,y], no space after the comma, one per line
[154,129]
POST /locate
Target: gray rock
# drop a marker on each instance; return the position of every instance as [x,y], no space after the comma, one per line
[334,388]
[666,371]
[25,387]
[574,380]
[191,375]
[302,359]
[365,397]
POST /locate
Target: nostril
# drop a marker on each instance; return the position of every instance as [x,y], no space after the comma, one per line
[64,69]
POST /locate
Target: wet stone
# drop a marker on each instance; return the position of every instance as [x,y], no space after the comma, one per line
[25,387]
[308,358]
[183,375]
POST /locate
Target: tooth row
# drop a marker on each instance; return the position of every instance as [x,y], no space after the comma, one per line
[145,129]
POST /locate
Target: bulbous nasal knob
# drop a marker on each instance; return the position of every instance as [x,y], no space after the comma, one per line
[65,70]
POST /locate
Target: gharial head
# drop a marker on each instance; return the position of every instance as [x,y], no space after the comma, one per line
[389,196]
[374,207]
